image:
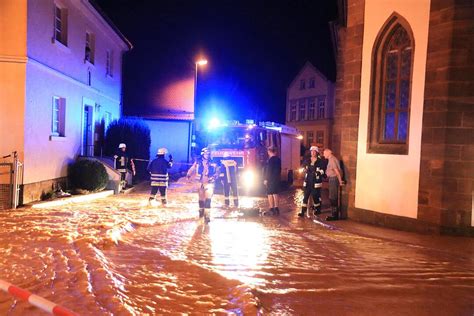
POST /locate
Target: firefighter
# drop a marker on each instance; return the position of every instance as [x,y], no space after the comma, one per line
[205,171]
[122,163]
[228,175]
[313,178]
[158,169]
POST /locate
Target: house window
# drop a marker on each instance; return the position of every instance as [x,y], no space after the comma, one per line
[311,109]
[90,47]
[302,110]
[391,89]
[109,63]
[60,25]
[89,77]
[309,138]
[321,108]
[302,84]
[320,138]
[311,82]
[293,111]
[58,117]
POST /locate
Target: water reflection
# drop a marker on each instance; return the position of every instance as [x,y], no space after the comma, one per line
[239,249]
[118,256]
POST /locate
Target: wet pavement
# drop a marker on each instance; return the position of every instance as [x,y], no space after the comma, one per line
[117,256]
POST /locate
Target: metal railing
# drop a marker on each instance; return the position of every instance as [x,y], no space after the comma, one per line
[11,181]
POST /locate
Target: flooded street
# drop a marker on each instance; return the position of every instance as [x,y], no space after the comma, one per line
[116,256]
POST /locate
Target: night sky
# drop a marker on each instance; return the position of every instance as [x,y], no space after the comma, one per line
[254,50]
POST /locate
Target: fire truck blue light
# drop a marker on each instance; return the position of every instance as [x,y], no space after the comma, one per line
[214,123]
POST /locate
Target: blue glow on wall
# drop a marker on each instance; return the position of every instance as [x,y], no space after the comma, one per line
[173,135]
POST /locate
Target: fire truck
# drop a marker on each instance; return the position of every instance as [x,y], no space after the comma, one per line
[247,144]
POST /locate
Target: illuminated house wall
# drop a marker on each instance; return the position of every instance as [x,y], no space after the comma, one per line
[59,79]
[314,105]
[425,185]
[175,97]
[378,188]
[12,76]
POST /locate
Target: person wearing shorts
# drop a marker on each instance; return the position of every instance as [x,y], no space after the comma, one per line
[272,180]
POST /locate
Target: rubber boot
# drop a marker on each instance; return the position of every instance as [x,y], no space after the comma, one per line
[227,202]
[270,211]
[164,201]
[207,211]
[276,211]
[201,209]
[303,211]
[317,210]
[334,212]
[236,202]
[207,215]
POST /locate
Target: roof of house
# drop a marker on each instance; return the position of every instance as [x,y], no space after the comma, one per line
[307,64]
[109,22]
[170,115]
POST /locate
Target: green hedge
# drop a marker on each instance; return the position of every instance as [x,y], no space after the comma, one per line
[135,133]
[88,175]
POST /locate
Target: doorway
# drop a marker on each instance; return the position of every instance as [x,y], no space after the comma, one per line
[88,129]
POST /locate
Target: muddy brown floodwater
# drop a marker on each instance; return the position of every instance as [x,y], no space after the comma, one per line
[116,256]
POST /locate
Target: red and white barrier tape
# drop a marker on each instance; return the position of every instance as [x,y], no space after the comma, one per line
[35,300]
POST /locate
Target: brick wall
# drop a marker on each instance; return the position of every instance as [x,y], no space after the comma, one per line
[347,102]
[447,151]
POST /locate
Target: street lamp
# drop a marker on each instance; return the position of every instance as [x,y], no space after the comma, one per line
[200,62]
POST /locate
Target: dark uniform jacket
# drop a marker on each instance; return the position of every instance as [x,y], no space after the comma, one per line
[122,162]
[314,173]
[158,170]
[228,171]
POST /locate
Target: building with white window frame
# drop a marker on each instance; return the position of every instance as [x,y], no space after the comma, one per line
[60,79]
[309,106]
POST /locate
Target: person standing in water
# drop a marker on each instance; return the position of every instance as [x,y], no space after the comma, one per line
[159,177]
[272,180]
[334,173]
[206,173]
[229,176]
[313,178]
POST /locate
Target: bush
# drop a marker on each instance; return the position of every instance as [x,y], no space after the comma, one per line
[135,133]
[88,175]
[47,195]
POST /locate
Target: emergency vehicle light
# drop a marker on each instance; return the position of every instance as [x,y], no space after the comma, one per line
[214,123]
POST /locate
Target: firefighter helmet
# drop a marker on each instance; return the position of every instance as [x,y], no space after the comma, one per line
[162,151]
[205,150]
[122,145]
[314,148]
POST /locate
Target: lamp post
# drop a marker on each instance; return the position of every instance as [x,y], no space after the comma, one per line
[200,62]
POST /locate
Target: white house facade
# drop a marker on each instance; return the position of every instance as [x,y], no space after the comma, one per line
[66,68]
[309,106]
